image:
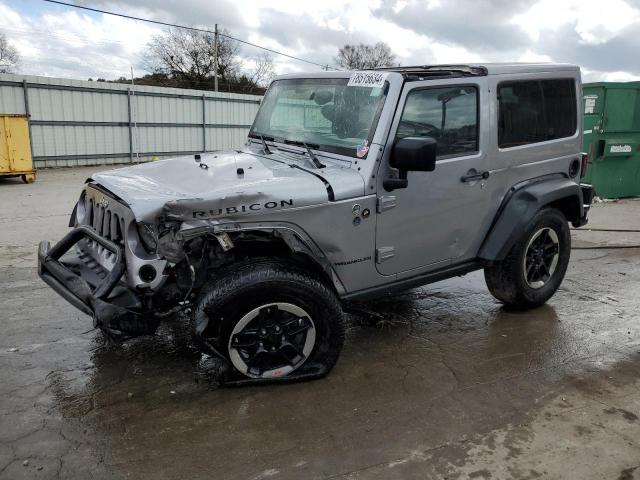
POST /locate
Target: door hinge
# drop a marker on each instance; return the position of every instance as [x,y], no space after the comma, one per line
[386,203]
[384,253]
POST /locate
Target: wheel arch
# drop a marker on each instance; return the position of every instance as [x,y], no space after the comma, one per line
[255,284]
[521,204]
[282,241]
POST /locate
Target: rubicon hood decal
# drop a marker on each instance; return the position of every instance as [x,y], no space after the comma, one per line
[254,207]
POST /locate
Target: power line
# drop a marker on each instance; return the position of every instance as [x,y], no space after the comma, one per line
[34,32]
[167,24]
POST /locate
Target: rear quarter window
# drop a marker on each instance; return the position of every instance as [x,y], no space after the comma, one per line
[533,111]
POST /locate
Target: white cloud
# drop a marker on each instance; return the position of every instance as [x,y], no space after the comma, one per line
[59,41]
[598,76]
[443,53]
[595,21]
[71,44]
[602,21]
[530,56]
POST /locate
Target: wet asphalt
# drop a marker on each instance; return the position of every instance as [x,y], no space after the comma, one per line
[438,382]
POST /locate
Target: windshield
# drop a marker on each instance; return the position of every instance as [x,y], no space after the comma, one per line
[324,114]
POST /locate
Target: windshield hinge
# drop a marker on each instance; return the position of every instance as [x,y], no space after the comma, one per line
[386,203]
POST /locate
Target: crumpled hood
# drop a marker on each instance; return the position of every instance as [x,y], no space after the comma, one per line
[228,185]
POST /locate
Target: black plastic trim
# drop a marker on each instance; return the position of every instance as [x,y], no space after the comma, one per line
[58,276]
[416,281]
[519,206]
[423,72]
[80,303]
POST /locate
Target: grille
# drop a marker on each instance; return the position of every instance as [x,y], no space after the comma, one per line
[106,222]
[109,218]
[113,220]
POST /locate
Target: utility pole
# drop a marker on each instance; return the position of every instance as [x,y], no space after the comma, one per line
[135,117]
[215,59]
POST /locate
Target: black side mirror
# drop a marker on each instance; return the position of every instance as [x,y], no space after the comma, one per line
[417,154]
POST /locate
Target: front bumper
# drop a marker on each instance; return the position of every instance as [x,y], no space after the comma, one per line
[98,292]
[587,198]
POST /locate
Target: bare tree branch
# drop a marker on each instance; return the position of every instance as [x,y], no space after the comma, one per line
[9,57]
[362,57]
[189,56]
[263,71]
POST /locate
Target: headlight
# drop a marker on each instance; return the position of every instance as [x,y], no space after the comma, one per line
[148,237]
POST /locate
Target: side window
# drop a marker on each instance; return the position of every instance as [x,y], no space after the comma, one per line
[536,111]
[449,115]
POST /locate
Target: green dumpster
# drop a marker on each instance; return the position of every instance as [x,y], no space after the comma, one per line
[612,138]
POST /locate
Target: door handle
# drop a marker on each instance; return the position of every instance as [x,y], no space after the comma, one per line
[472,176]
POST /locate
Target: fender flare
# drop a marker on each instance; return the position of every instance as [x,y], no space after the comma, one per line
[293,236]
[520,205]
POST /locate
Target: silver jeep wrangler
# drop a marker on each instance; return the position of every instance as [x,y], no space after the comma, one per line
[351,185]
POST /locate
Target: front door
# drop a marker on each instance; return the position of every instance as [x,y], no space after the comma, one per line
[443,215]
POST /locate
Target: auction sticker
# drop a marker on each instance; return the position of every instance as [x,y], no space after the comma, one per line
[590,103]
[367,79]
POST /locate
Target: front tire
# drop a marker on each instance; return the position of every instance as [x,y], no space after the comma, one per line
[535,266]
[270,320]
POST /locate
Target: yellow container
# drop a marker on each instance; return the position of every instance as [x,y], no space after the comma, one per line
[15,148]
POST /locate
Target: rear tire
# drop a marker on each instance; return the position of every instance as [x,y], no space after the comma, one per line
[270,319]
[535,266]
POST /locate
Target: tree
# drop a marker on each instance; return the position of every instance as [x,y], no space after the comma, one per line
[9,57]
[262,71]
[363,57]
[188,56]
[185,59]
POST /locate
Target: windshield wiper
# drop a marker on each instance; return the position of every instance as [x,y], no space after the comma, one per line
[314,159]
[265,147]
[263,139]
[313,156]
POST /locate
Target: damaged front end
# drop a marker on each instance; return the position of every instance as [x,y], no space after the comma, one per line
[149,241]
[103,268]
[115,308]
[129,274]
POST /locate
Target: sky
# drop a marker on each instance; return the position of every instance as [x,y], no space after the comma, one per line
[603,37]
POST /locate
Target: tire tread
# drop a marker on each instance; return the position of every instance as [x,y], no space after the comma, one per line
[244,276]
[503,279]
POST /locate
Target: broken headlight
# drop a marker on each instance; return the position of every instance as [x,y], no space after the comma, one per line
[148,237]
